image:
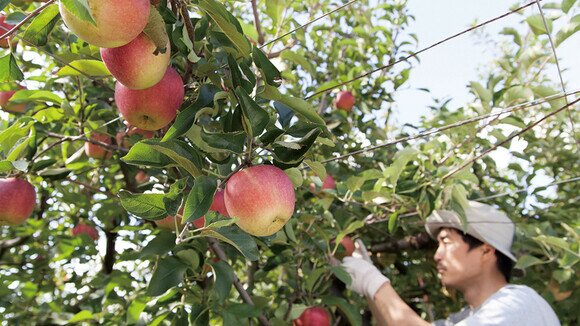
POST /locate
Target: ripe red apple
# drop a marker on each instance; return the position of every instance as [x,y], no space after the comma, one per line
[117,22]
[17,201]
[261,197]
[168,223]
[11,107]
[83,228]
[95,151]
[141,177]
[344,101]
[154,107]
[217,205]
[134,64]
[313,316]
[4,27]
[328,182]
[348,245]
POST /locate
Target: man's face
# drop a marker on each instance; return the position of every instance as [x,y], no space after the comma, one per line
[456,264]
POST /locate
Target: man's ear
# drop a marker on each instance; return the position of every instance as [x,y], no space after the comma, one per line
[488,251]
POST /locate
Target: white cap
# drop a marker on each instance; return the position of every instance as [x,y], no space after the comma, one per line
[484,222]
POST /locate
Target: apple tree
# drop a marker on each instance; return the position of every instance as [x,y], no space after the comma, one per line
[204,162]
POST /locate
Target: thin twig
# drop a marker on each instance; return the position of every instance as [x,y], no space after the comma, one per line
[27,18]
[257,22]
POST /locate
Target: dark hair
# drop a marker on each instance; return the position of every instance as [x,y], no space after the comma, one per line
[503,263]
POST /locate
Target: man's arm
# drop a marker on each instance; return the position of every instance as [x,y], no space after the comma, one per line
[389,309]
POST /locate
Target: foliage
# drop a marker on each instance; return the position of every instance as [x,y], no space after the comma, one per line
[244,105]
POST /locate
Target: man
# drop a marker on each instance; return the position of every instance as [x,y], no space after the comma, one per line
[477,263]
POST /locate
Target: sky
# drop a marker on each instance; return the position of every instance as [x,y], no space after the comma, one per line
[447,69]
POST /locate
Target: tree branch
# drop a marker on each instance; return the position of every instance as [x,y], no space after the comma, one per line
[257,22]
[214,244]
[417,241]
[27,18]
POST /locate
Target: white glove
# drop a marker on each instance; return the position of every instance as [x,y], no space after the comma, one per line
[366,278]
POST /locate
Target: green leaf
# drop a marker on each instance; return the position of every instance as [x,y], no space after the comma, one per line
[568,30]
[351,311]
[81,316]
[567,5]
[156,32]
[136,308]
[37,32]
[243,310]
[200,198]
[513,32]
[240,240]
[186,118]
[255,117]
[145,154]
[542,91]
[526,261]
[147,206]
[80,9]
[318,168]
[287,155]
[230,141]
[298,105]
[4,3]
[223,279]
[91,68]
[393,222]
[269,72]
[180,152]
[298,59]
[219,15]
[341,274]
[23,96]
[173,198]
[483,93]
[13,135]
[295,176]
[160,245]
[169,273]
[9,70]
[401,159]
[189,255]
[536,23]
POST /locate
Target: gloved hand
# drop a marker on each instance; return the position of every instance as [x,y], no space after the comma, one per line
[366,278]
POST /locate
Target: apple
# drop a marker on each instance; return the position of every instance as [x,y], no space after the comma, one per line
[313,316]
[121,140]
[348,245]
[344,101]
[83,228]
[4,27]
[141,177]
[11,107]
[168,223]
[134,64]
[116,22]
[17,201]
[328,182]
[154,107]
[261,197]
[96,151]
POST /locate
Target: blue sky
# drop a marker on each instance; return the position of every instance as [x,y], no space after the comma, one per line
[448,68]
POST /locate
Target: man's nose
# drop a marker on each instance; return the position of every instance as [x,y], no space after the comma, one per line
[438,254]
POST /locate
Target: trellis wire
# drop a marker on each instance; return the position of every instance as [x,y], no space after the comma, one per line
[452,125]
[422,50]
[308,23]
[548,32]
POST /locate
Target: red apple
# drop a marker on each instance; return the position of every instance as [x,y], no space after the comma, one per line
[4,27]
[117,22]
[348,245]
[151,108]
[313,316]
[83,228]
[261,197]
[11,107]
[168,223]
[217,205]
[17,201]
[134,64]
[141,177]
[328,182]
[344,101]
[96,151]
